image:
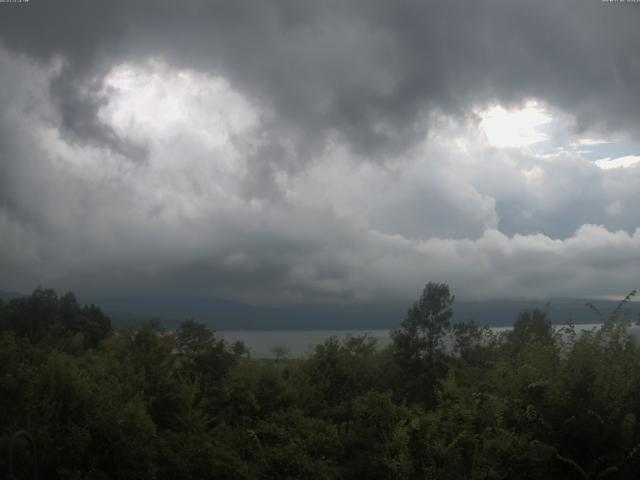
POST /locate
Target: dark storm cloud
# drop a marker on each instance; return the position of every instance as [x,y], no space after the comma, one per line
[367,70]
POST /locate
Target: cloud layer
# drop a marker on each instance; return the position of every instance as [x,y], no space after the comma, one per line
[294,152]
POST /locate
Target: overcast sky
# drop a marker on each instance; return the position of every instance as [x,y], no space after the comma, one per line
[319,152]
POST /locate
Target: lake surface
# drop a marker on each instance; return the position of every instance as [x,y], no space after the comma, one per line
[299,343]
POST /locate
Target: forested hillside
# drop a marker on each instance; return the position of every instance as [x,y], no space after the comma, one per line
[531,403]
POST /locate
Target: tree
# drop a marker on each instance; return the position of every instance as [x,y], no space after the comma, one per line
[280,352]
[44,316]
[207,359]
[419,343]
[470,342]
[193,338]
[534,326]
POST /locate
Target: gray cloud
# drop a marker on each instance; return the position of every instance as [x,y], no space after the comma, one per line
[332,174]
[367,70]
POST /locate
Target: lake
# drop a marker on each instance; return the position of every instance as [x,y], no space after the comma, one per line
[298,343]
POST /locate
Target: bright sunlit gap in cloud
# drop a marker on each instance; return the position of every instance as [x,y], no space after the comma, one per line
[621,162]
[197,130]
[514,127]
[152,99]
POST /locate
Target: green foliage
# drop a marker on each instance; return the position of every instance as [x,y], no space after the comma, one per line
[420,341]
[59,320]
[442,402]
[340,370]
[531,327]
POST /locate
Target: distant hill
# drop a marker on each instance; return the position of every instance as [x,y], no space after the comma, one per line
[8,295]
[561,310]
[226,315]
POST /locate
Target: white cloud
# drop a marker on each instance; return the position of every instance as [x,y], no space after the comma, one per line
[591,141]
[152,99]
[516,127]
[628,161]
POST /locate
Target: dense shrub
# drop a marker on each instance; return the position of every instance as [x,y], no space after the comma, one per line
[442,401]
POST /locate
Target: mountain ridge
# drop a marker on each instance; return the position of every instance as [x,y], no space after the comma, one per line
[226,315]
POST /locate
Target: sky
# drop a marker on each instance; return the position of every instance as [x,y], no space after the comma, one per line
[338,153]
